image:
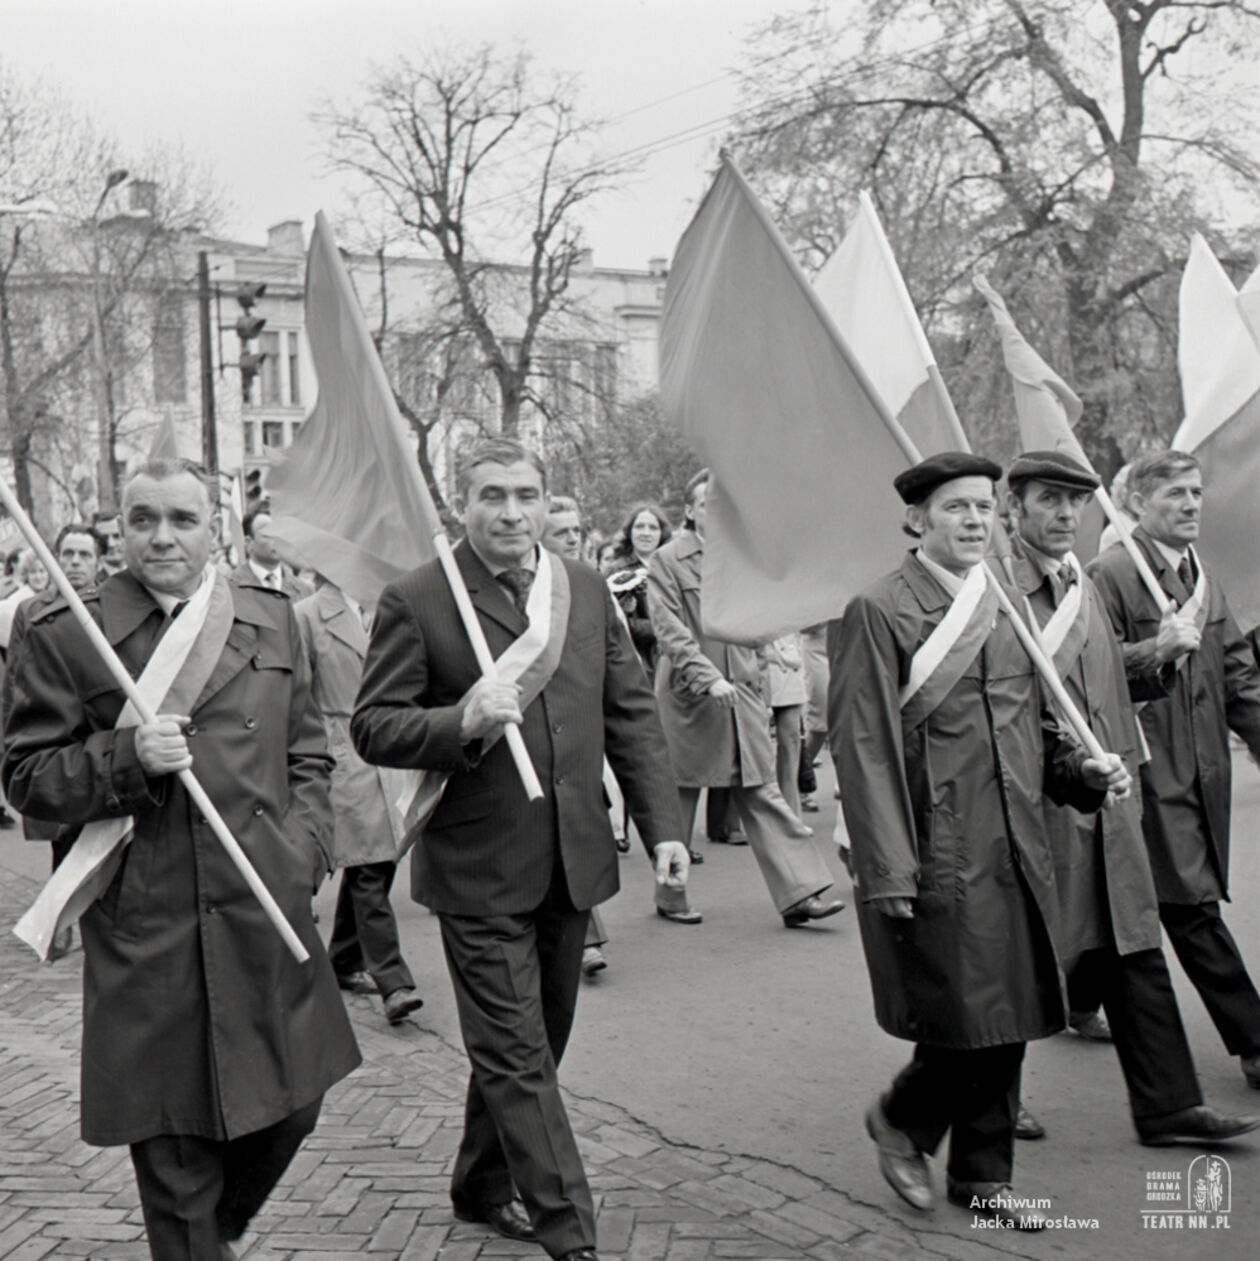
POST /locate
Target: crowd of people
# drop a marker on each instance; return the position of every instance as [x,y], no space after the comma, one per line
[1007,878]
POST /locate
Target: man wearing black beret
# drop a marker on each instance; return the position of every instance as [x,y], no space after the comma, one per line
[940,740]
[1108,914]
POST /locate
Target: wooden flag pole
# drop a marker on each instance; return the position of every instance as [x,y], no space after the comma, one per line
[1123,529]
[128,685]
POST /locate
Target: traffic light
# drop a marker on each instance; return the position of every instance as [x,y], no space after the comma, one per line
[255,495]
[248,327]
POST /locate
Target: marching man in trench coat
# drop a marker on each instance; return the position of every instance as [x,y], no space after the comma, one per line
[368,825]
[942,746]
[1197,677]
[1109,919]
[717,726]
[206,1046]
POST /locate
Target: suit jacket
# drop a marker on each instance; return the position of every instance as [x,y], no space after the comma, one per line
[1106,890]
[368,827]
[950,814]
[486,850]
[1187,719]
[196,1018]
[704,736]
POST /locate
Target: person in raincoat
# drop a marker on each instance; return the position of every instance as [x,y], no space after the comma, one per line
[943,746]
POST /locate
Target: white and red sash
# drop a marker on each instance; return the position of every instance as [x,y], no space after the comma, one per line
[1064,634]
[1196,604]
[529,661]
[944,657]
[178,668]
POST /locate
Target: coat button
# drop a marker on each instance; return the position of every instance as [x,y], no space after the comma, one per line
[258,809]
[559,780]
[250,723]
[211,908]
[558,728]
[112,803]
[191,729]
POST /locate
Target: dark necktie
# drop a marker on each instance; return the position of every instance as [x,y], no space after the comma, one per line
[1186,574]
[518,582]
[178,609]
[1062,581]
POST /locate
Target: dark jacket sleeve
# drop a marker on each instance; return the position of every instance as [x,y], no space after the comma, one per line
[309,763]
[1148,678]
[866,742]
[634,741]
[394,722]
[1242,684]
[56,765]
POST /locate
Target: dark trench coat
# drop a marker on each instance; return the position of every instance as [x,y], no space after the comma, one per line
[196,1018]
[951,816]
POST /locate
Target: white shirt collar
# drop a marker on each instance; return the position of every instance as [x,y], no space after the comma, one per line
[528,561]
[264,574]
[1174,558]
[946,577]
[166,601]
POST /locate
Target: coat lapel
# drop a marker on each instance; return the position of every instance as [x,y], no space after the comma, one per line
[1169,583]
[340,621]
[242,645]
[488,597]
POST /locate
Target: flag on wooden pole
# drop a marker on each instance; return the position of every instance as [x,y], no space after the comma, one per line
[1220,383]
[753,371]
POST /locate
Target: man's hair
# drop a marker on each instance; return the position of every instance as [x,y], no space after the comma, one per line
[247,522]
[564,503]
[79,527]
[101,515]
[174,466]
[503,451]
[689,495]
[1153,470]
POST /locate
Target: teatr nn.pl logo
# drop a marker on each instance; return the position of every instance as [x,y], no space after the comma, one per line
[1201,1200]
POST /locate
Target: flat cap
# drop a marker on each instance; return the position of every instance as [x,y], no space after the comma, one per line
[917,483]
[1056,467]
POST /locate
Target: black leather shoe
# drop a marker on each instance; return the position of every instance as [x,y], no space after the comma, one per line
[996,1201]
[900,1161]
[1193,1126]
[581,1254]
[356,982]
[800,913]
[509,1220]
[400,1004]
[696,857]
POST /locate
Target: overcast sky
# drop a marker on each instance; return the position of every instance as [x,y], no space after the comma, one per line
[235,81]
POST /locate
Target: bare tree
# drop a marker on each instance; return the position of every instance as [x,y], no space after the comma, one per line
[474,153]
[1067,147]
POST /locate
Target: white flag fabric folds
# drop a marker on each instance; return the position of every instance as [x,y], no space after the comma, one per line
[178,669]
[801,512]
[1220,382]
[348,494]
[863,289]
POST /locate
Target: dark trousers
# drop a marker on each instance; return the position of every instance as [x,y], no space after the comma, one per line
[1210,957]
[1136,992]
[972,1094]
[365,932]
[516,983]
[197,1193]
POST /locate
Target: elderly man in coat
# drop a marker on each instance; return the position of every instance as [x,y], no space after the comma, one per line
[1109,920]
[1197,678]
[717,725]
[206,1046]
[365,951]
[942,747]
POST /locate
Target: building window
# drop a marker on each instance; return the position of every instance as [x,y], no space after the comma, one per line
[252,446]
[170,367]
[295,376]
[270,346]
[273,433]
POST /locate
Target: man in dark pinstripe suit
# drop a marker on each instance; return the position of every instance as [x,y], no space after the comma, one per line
[512,881]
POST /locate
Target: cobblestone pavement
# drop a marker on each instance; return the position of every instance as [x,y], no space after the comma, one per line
[372,1180]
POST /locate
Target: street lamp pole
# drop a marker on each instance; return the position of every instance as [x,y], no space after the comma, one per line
[105,496]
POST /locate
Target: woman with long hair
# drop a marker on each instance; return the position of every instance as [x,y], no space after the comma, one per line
[644,530]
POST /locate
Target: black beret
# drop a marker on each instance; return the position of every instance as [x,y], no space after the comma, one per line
[1056,467]
[917,483]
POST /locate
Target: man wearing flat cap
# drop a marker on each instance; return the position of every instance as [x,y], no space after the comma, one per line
[941,742]
[1108,914]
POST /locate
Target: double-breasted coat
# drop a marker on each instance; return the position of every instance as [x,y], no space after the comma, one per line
[1106,890]
[950,815]
[368,827]
[710,746]
[196,1018]
[1187,716]
[487,849]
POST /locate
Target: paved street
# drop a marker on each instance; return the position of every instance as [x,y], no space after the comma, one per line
[717,1077]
